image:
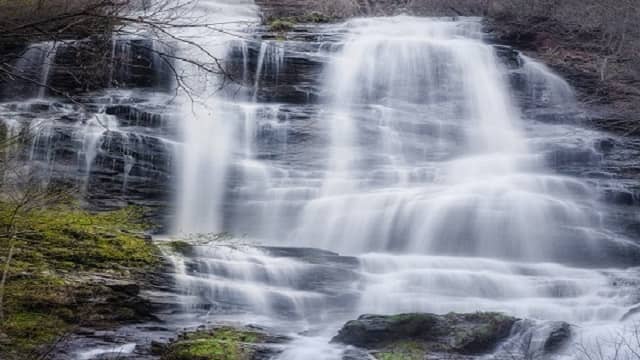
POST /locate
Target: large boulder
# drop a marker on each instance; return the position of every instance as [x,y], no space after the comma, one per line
[417,334]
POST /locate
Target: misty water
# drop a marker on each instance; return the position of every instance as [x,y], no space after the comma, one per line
[413,171]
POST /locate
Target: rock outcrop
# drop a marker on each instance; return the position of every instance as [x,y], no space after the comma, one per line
[452,336]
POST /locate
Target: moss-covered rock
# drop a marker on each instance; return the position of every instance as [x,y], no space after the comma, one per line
[408,336]
[284,24]
[224,343]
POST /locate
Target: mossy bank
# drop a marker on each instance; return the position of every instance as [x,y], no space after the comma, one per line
[71,268]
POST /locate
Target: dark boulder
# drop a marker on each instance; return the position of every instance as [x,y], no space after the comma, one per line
[467,334]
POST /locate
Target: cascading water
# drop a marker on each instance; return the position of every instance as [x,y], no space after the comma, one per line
[211,122]
[422,164]
[459,178]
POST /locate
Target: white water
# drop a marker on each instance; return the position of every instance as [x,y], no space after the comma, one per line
[210,119]
[469,185]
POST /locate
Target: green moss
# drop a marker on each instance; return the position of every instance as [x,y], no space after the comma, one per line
[218,344]
[281,25]
[402,350]
[70,238]
[41,298]
[29,329]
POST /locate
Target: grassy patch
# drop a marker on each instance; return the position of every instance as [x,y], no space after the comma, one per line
[218,344]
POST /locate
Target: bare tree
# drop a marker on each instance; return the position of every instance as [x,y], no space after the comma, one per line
[100,24]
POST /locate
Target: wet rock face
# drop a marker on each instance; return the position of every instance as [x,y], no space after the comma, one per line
[114,141]
[286,72]
[114,150]
[72,68]
[453,333]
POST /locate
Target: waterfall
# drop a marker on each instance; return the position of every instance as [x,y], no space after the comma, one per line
[422,150]
[424,164]
[212,116]
[427,153]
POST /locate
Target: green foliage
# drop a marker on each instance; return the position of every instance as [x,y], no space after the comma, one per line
[218,344]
